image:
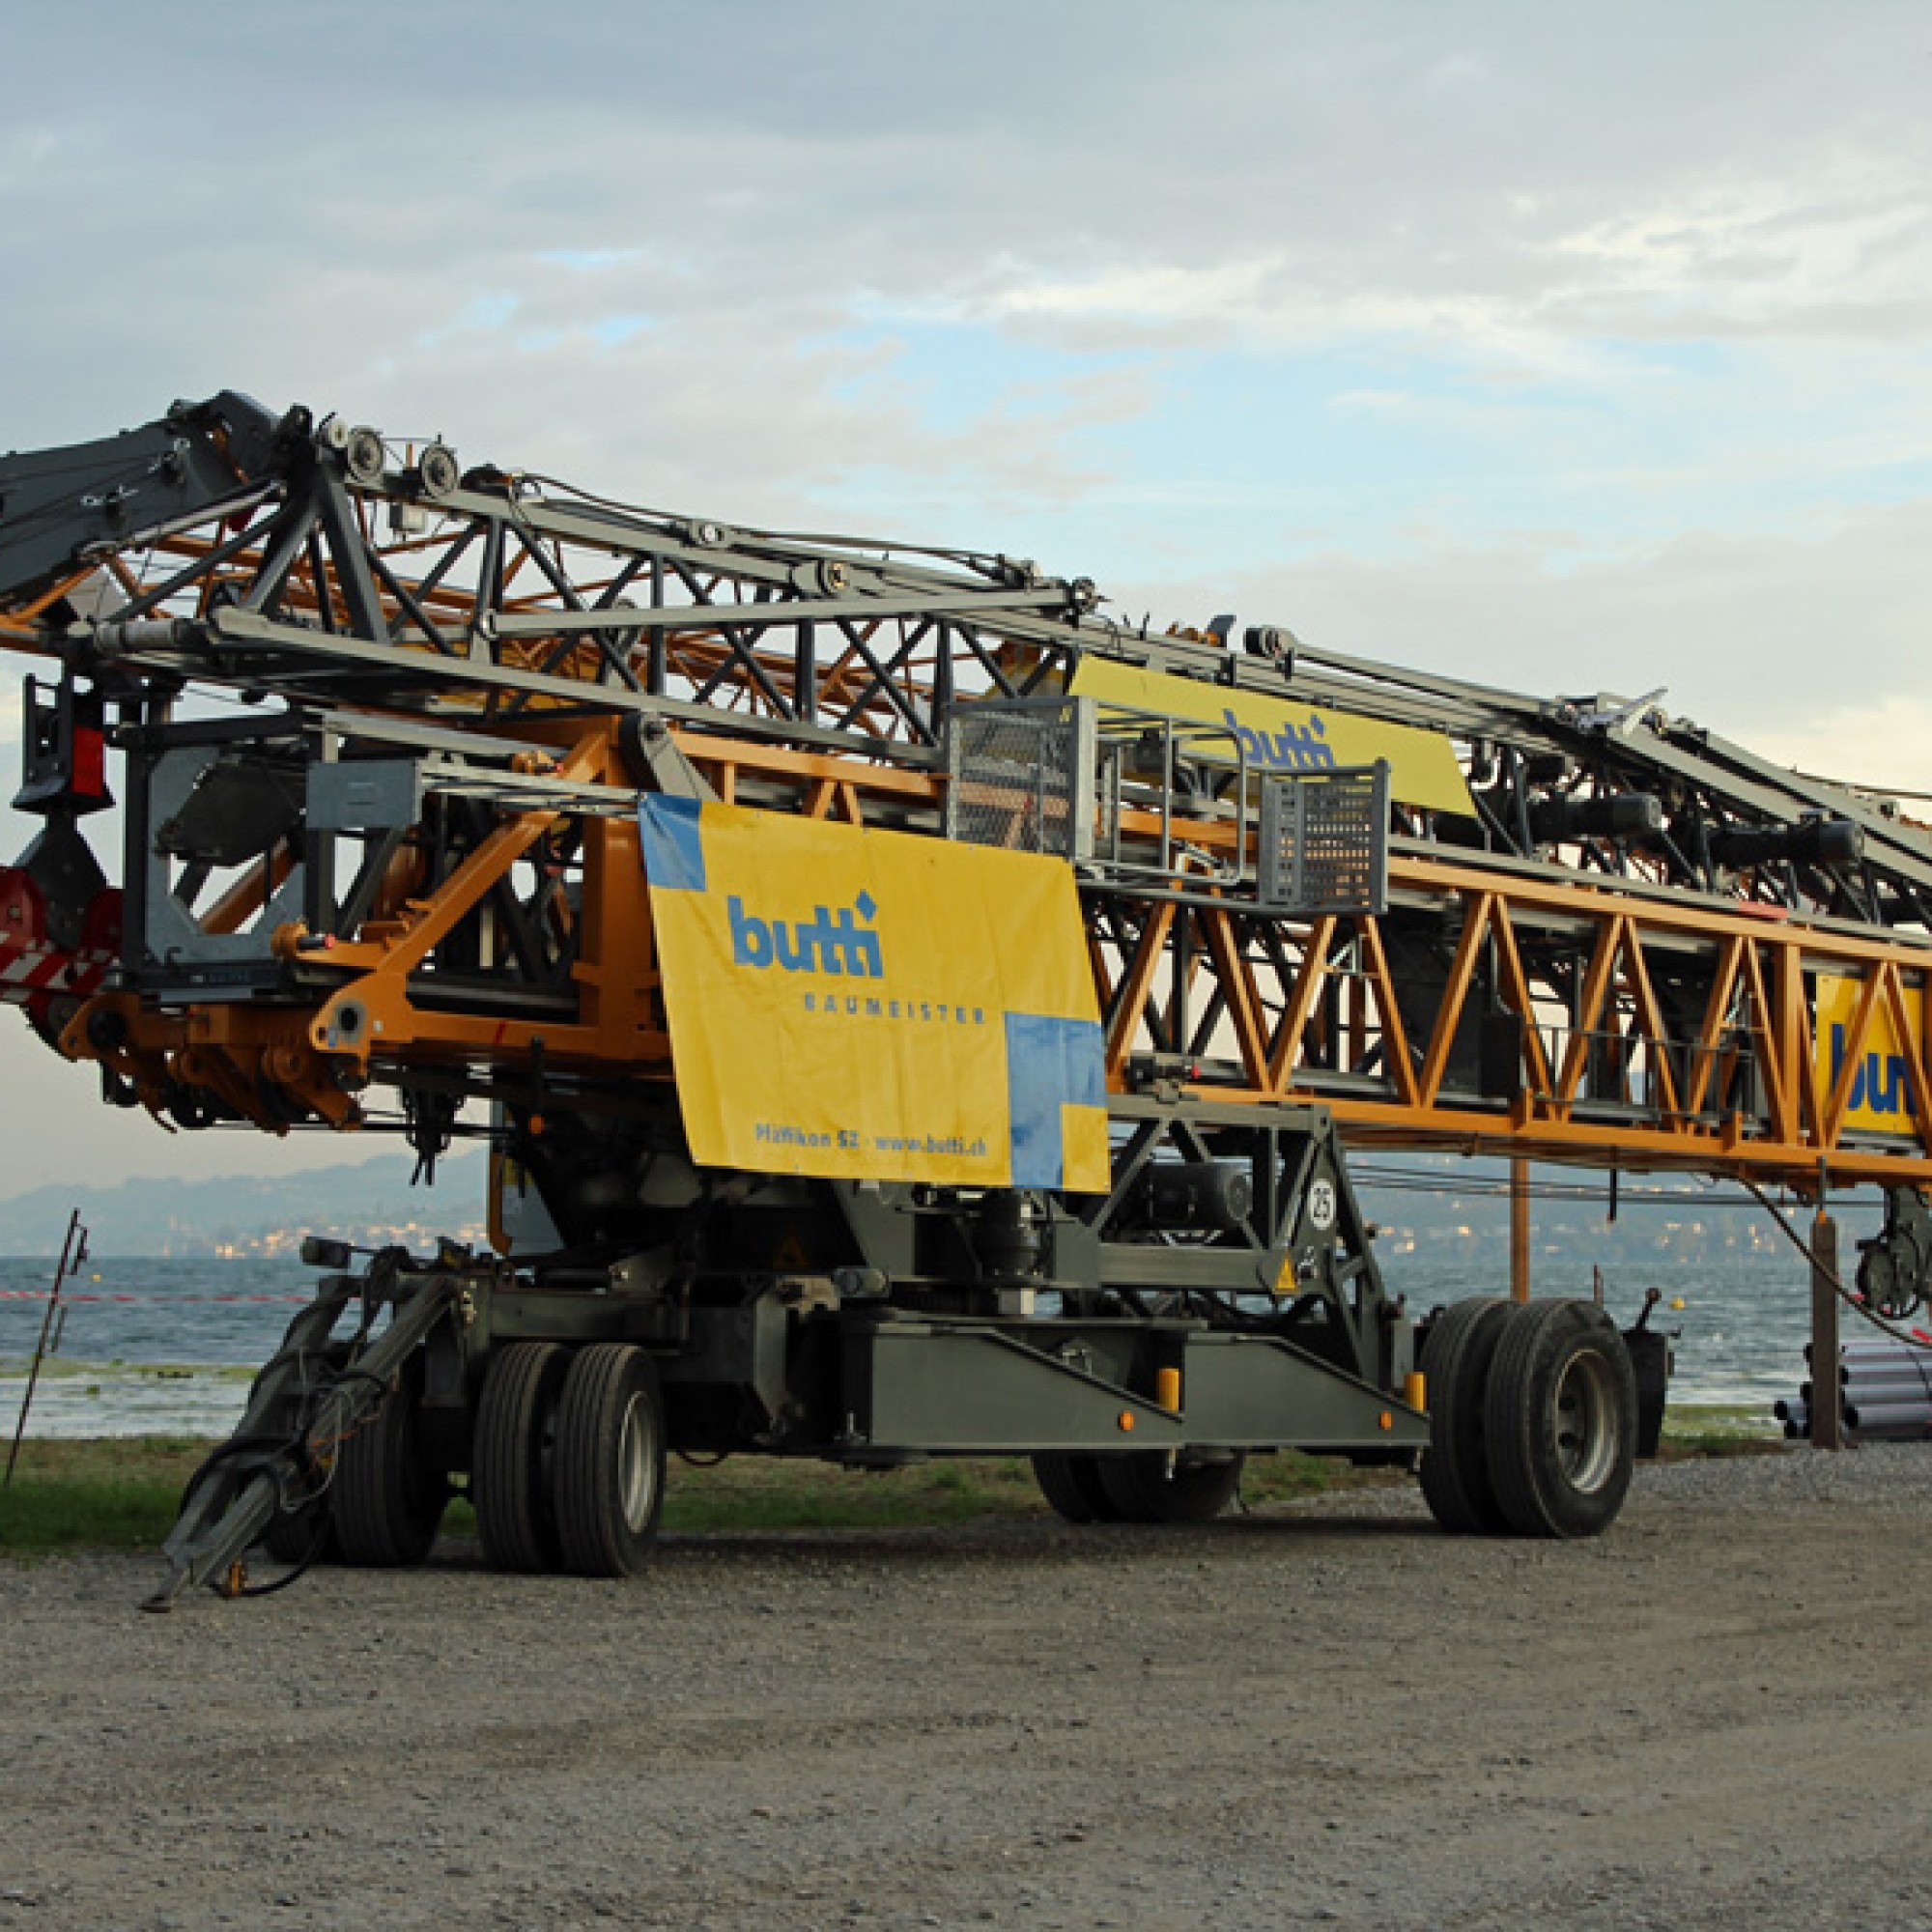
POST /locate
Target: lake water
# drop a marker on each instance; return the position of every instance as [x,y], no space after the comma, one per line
[168,1346]
[147,1347]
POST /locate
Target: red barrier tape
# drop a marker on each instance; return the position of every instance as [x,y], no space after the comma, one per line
[41,1294]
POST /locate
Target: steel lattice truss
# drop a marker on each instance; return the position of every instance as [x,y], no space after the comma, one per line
[1617,959]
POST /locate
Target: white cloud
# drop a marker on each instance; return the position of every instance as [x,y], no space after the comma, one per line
[1801,648]
[1627,306]
[1884,744]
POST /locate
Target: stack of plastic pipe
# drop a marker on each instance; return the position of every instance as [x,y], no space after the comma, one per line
[1884,1389]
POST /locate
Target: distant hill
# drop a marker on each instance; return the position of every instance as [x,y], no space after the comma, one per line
[1447,1207]
[1441,1207]
[370,1202]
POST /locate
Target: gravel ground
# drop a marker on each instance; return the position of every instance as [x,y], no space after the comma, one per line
[1713,1716]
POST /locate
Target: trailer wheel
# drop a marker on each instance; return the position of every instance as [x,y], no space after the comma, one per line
[1457,1363]
[1145,1489]
[608,1467]
[510,1472]
[306,1535]
[1074,1486]
[388,1497]
[1561,1420]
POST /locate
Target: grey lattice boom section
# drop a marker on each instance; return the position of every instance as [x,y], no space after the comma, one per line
[1021,777]
[1324,841]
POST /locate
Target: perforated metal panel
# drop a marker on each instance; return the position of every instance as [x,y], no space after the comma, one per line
[1324,841]
[1022,777]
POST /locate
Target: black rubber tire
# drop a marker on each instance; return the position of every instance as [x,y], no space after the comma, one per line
[511,1454]
[1072,1484]
[308,1536]
[1145,1490]
[608,1466]
[292,1538]
[1561,1420]
[389,1498]
[1457,1363]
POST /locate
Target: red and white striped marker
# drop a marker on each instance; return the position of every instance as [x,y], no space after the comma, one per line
[32,969]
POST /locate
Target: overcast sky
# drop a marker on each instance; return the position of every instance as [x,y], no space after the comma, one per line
[1565,347]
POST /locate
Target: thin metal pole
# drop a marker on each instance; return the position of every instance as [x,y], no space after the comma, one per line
[1518,1229]
[73,1251]
[1826,1419]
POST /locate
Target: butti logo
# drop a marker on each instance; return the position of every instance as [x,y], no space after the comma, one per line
[1291,748]
[1880,1084]
[830,942]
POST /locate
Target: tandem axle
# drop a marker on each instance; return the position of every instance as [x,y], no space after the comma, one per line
[1223,1300]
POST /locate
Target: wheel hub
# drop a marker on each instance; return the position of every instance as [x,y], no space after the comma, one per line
[1586,1431]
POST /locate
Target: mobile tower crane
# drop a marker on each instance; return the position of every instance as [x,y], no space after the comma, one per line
[911,1011]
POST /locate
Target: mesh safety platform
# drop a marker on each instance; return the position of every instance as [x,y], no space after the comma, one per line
[1323,841]
[1022,778]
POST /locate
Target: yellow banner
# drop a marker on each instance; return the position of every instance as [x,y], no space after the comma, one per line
[874,1006]
[1280,736]
[1881,1088]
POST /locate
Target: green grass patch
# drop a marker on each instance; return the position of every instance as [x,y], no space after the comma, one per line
[758,1492]
[79,1368]
[107,1494]
[123,1494]
[1693,1430]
